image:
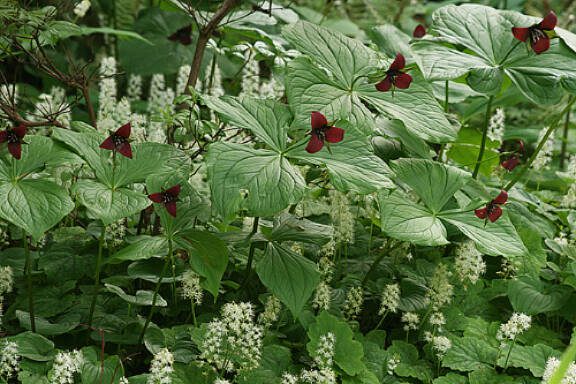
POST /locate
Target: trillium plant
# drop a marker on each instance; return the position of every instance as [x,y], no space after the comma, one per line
[232,192]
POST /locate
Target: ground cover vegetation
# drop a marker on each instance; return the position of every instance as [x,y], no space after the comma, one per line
[305,191]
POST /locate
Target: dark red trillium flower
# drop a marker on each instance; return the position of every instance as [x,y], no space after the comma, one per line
[118,141]
[395,77]
[167,197]
[15,138]
[419,31]
[539,39]
[492,210]
[510,163]
[182,35]
[322,131]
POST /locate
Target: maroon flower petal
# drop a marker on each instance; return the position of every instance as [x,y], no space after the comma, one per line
[495,213]
[403,80]
[334,135]
[156,197]
[125,149]
[20,131]
[124,130]
[419,31]
[108,144]
[384,85]
[521,34]
[399,63]
[541,45]
[501,198]
[510,164]
[549,21]
[3,136]
[171,208]
[481,213]
[318,120]
[315,144]
[15,150]
[174,191]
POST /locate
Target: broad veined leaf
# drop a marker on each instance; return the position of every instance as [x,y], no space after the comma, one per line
[492,53]
[346,58]
[33,346]
[405,220]
[533,296]
[147,158]
[498,238]
[291,228]
[35,205]
[107,204]
[434,182]
[531,357]
[469,354]
[391,40]
[142,298]
[352,164]
[45,327]
[267,119]
[271,182]
[143,248]
[95,370]
[288,275]
[208,257]
[348,353]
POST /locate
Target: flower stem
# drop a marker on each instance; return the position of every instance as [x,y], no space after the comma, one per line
[156,290]
[446,97]
[565,139]
[29,283]
[193,308]
[551,128]
[484,136]
[509,352]
[251,251]
[97,274]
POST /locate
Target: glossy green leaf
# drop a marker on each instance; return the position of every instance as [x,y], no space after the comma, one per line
[348,353]
[109,205]
[498,238]
[208,257]
[531,357]
[291,228]
[469,354]
[95,371]
[434,182]
[267,119]
[352,164]
[532,296]
[33,346]
[289,276]
[35,205]
[405,220]
[142,298]
[45,327]
[271,182]
[142,248]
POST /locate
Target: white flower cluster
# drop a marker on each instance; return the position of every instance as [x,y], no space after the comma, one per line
[123,380]
[323,293]
[82,7]
[191,288]
[217,90]
[353,302]
[116,232]
[390,299]
[440,291]
[544,157]
[569,199]
[410,320]
[221,381]
[323,373]
[251,79]
[6,283]
[342,217]
[468,264]
[182,79]
[52,105]
[272,309]
[440,344]
[107,95]
[9,360]
[161,368]
[437,319]
[496,125]
[518,323]
[551,365]
[234,341]
[134,90]
[392,364]
[65,365]
[508,268]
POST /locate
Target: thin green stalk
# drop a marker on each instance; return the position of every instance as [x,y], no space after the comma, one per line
[29,283]
[446,97]
[251,251]
[193,308]
[551,129]
[156,290]
[565,362]
[372,268]
[381,320]
[565,139]
[509,352]
[97,275]
[484,136]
